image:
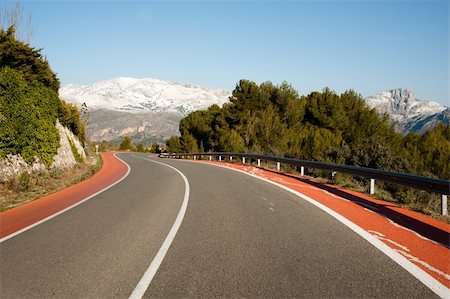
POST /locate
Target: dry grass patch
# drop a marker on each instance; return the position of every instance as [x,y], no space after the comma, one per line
[28,187]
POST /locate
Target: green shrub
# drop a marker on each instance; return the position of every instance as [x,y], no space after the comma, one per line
[29,112]
[24,180]
[69,116]
[20,183]
[20,56]
[126,144]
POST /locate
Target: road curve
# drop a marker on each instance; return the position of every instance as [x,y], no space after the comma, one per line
[24,216]
[240,237]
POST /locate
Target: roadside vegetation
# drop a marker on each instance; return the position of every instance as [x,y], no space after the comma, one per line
[29,109]
[322,126]
[127,145]
[28,187]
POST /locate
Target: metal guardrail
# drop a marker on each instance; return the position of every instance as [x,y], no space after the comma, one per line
[419,182]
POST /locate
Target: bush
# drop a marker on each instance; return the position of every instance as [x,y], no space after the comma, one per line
[126,144]
[140,148]
[20,183]
[28,118]
[69,116]
[19,56]
[24,180]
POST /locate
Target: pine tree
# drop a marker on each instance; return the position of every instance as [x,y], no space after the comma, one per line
[17,55]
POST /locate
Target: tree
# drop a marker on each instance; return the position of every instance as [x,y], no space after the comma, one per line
[231,142]
[173,145]
[323,126]
[155,148]
[140,148]
[189,143]
[29,61]
[435,149]
[126,144]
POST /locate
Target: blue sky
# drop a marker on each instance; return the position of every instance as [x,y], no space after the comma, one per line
[368,46]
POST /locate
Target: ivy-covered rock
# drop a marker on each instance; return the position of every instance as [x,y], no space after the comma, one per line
[28,116]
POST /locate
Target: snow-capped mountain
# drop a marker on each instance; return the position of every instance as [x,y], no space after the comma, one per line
[140,95]
[408,113]
[145,109]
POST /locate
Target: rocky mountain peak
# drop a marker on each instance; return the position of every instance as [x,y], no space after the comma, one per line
[402,99]
[404,110]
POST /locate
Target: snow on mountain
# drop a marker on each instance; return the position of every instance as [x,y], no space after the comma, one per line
[147,110]
[140,95]
[406,112]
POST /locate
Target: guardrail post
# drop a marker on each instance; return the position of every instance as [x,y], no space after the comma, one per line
[231,158]
[243,160]
[302,170]
[372,186]
[210,158]
[220,158]
[444,210]
[195,157]
[278,166]
[259,162]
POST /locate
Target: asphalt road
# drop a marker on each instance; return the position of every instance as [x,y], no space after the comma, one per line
[240,237]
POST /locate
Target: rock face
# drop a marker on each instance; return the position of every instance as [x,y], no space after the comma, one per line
[14,165]
[65,158]
[408,113]
[147,110]
[143,127]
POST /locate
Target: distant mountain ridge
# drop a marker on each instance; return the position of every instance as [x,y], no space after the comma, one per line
[143,95]
[145,109]
[408,113]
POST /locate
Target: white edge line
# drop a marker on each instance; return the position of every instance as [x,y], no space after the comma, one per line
[147,278]
[428,280]
[68,208]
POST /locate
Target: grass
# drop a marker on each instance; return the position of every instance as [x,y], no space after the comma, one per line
[26,188]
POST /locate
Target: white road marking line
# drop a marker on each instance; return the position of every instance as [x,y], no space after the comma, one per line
[147,278]
[428,280]
[409,256]
[416,233]
[393,242]
[68,208]
[376,233]
[425,264]
[272,210]
[271,203]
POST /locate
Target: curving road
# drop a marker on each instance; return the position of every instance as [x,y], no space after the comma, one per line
[240,237]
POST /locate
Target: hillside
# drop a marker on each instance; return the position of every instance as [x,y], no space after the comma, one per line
[146,109]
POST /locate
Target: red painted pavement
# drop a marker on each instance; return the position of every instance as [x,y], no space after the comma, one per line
[27,214]
[421,239]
